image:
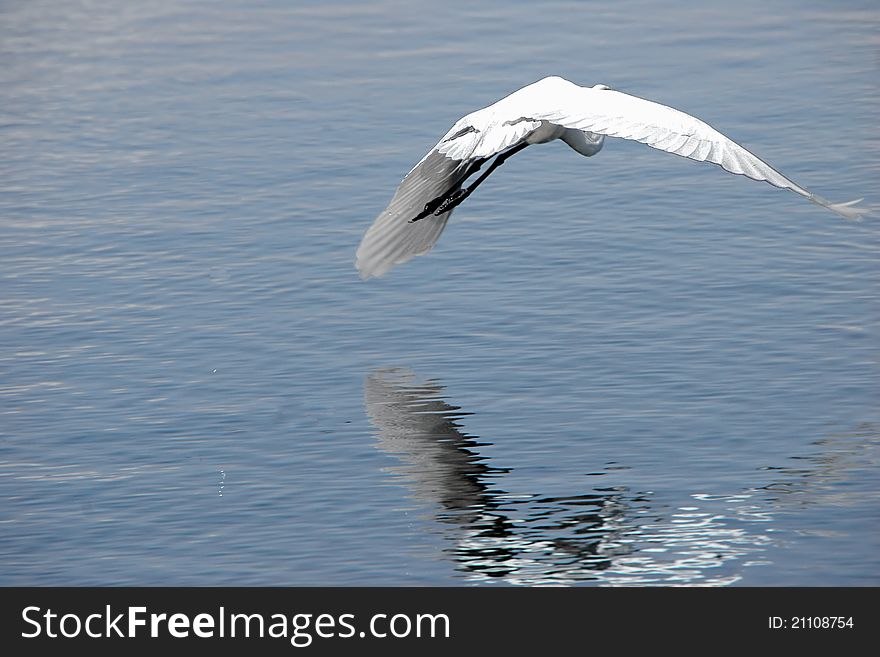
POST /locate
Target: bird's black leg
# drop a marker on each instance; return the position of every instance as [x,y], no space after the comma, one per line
[432,205]
[457,197]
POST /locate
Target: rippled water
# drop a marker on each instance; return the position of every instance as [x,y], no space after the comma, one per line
[631,369]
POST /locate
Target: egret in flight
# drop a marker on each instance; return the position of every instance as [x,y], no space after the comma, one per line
[552,108]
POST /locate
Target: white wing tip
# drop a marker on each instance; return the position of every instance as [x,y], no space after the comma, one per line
[846,210]
[367,274]
[371,267]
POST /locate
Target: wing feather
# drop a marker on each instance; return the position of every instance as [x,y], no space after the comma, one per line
[393,239]
[616,114]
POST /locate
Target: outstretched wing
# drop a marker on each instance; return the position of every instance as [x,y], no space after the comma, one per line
[393,238]
[616,114]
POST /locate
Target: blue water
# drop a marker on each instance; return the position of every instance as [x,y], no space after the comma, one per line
[632,369]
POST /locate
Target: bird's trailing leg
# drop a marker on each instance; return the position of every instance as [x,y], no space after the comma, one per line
[457,197]
[454,197]
[431,206]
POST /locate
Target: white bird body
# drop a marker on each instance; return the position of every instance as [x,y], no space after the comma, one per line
[552,108]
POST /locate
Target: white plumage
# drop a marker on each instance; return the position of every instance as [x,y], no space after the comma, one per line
[552,108]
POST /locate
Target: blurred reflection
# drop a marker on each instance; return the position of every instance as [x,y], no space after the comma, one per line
[609,536]
[559,540]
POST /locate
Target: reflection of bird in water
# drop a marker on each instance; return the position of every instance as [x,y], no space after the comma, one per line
[606,535]
[421,430]
[558,540]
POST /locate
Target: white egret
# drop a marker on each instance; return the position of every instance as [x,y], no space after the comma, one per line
[552,108]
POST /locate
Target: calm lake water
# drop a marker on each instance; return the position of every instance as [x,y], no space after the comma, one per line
[627,370]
